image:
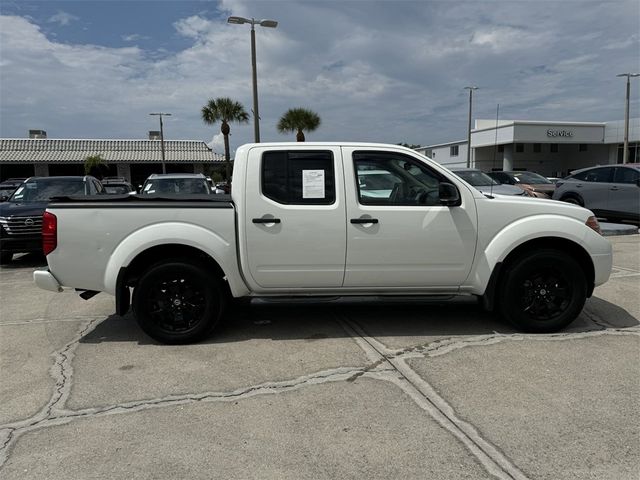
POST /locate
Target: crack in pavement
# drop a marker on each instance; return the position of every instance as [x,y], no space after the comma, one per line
[385,364]
[424,395]
[54,413]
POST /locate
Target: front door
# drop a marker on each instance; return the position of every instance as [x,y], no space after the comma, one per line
[294,219]
[398,233]
[624,193]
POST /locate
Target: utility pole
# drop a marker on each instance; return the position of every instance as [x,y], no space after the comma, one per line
[471,89]
[625,152]
[263,23]
[160,114]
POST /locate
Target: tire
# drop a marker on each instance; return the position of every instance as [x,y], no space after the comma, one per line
[177,302]
[575,200]
[5,258]
[543,291]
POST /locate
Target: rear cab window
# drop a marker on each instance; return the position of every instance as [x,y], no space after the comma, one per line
[298,177]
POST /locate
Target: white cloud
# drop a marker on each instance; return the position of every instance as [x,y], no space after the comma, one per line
[134,37]
[192,27]
[63,18]
[217,143]
[388,72]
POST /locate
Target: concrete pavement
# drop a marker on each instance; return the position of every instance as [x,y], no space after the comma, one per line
[346,390]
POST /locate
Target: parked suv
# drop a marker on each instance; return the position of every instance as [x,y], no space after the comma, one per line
[176,184]
[117,185]
[8,187]
[21,214]
[533,182]
[612,192]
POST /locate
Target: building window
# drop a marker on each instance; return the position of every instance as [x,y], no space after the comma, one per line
[500,148]
[582,147]
[553,147]
[453,151]
[519,147]
[537,148]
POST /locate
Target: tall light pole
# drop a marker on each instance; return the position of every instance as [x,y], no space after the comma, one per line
[263,23]
[471,89]
[625,153]
[160,114]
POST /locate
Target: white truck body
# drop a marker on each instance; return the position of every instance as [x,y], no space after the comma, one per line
[315,248]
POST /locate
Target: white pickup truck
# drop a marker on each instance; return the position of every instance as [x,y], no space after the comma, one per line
[325,219]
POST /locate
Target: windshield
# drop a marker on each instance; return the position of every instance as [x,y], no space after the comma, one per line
[116,189]
[477,179]
[176,186]
[529,177]
[41,190]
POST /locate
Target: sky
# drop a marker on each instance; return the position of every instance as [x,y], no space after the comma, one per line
[382,71]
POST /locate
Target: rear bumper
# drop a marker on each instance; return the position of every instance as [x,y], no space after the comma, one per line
[45,280]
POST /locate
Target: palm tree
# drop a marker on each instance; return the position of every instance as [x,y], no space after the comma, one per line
[297,120]
[95,165]
[227,110]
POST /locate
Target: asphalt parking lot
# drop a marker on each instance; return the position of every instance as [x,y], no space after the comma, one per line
[330,390]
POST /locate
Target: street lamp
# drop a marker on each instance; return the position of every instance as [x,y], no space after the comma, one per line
[160,114]
[625,153]
[471,89]
[262,23]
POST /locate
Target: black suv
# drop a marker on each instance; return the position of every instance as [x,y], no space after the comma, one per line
[21,214]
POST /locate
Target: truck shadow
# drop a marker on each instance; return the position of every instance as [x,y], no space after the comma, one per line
[402,323]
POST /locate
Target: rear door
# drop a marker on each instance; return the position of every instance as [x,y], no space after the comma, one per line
[294,218]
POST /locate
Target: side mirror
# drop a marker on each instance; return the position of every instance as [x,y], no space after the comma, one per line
[449,195]
[4,198]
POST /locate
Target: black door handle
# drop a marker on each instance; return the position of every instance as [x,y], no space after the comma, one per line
[364,220]
[266,220]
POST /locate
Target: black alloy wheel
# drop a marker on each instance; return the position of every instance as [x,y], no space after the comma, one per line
[178,302]
[543,291]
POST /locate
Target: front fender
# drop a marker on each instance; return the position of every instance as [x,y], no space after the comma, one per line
[524,230]
[223,252]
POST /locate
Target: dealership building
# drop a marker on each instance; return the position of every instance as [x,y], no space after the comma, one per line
[550,148]
[134,160]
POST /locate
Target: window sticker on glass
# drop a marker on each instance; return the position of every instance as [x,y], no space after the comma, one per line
[312,183]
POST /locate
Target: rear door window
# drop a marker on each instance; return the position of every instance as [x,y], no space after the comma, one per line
[626,175]
[298,177]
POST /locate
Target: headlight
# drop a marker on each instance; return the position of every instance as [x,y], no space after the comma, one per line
[592,223]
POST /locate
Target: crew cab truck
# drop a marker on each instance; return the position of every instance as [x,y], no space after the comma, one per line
[301,221]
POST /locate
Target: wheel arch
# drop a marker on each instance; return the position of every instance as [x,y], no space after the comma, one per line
[567,246]
[128,276]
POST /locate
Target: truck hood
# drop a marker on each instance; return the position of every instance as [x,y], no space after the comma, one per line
[11,209]
[521,206]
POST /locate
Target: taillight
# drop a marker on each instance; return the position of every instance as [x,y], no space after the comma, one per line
[49,232]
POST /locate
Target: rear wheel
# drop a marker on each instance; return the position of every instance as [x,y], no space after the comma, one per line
[543,291]
[573,199]
[178,302]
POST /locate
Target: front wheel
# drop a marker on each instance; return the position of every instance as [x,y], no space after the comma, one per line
[178,302]
[543,291]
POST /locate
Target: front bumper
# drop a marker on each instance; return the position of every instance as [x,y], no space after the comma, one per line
[602,265]
[45,280]
[20,244]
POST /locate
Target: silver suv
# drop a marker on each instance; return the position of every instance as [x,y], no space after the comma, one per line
[612,192]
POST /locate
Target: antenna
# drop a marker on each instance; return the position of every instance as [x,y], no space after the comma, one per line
[495,148]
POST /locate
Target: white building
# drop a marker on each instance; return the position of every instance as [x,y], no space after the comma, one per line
[549,148]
